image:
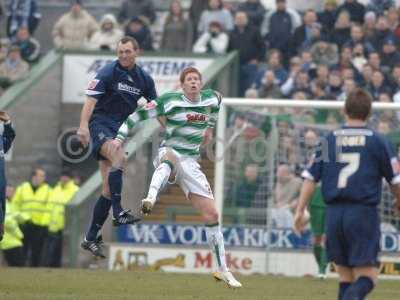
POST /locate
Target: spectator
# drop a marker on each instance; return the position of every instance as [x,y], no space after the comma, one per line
[316,36]
[366,75]
[215,12]
[245,191]
[374,61]
[346,57]
[107,37]
[197,7]
[74,28]
[341,31]
[274,63]
[303,32]
[335,85]
[307,61]
[355,9]
[269,86]
[380,6]
[14,68]
[393,19]
[29,46]
[369,25]
[22,13]
[60,196]
[394,78]
[138,29]
[298,83]
[31,198]
[327,17]
[247,40]
[178,30]
[382,31]
[389,56]
[287,191]
[137,8]
[214,41]
[377,85]
[255,10]
[357,37]
[348,86]
[324,52]
[322,75]
[12,245]
[358,60]
[280,29]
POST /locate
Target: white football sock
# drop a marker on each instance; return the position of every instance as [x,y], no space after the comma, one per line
[159,180]
[215,239]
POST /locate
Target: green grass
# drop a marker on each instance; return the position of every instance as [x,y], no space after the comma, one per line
[77,284]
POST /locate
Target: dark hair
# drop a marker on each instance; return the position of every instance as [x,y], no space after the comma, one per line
[187,71]
[129,39]
[358,104]
[35,171]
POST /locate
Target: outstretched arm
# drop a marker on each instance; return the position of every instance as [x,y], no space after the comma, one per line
[151,110]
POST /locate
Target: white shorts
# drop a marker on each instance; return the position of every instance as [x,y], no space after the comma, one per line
[189,175]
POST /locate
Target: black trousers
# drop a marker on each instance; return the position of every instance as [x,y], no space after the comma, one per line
[14,257]
[34,244]
[54,249]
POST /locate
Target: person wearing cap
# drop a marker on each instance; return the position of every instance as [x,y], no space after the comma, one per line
[63,192]
[390,56]
[355,9]
[138,29]
[107,37]
[14,68]
[74,28]
[215,40]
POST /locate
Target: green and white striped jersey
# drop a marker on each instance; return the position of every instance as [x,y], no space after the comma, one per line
[186,121]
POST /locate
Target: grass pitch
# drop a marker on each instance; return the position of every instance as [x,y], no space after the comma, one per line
[77,284]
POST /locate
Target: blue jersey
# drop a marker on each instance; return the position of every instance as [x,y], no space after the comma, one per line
[117,91]
[351,163]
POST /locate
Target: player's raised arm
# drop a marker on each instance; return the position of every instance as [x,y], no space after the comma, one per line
[151,110]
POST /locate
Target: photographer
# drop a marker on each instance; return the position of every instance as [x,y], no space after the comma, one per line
[215,40]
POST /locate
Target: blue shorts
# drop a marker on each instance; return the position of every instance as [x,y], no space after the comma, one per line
[100,132]
[352,235]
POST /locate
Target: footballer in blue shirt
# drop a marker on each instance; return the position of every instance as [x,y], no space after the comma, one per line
[111,97]
[351,163]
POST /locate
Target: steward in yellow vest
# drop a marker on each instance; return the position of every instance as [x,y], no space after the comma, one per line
[12,245]
[60,196]
[32,198]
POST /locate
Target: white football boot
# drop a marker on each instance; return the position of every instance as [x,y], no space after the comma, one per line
[228,278]
[147,205]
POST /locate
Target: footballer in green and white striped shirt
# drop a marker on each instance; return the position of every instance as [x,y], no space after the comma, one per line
[188,117]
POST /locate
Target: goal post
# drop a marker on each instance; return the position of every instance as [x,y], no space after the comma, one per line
[264,141]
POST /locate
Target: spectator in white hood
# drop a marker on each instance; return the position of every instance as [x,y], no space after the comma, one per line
[107,37]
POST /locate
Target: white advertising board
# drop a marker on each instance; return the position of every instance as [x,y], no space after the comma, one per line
[78,70]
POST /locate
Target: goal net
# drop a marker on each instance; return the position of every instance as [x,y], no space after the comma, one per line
[262,146]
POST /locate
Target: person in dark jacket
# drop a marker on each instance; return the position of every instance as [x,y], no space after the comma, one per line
[280,29]
[390,56]
[138,29]
[7,135]
[247,40]
[29,46]
[303,32]
[327,17]
[355,9]
[255,10]
[137,8]
[22,13]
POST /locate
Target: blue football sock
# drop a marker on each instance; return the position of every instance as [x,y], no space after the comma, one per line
[359,289]
[115,184]
[100,214]
[343,286]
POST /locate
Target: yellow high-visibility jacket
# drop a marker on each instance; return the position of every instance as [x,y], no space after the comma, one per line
[12,233]
[59,197]
[33,203]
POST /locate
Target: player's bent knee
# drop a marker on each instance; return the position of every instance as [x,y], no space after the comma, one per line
[170,156]
[210,216]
